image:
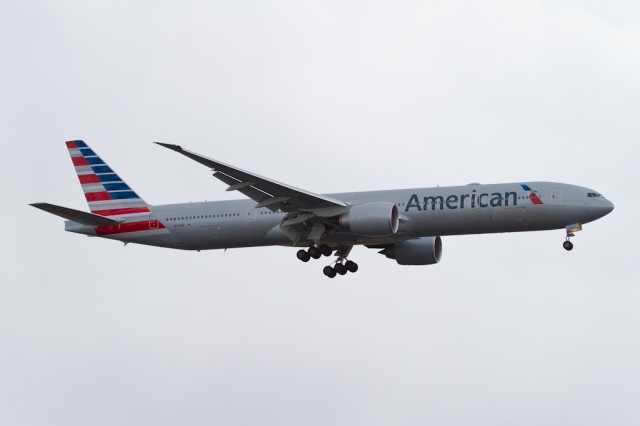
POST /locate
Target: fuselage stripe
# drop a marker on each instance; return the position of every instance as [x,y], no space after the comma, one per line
[115,212]
[127,227]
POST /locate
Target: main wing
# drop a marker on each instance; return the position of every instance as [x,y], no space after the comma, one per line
[309,216]
[264,191]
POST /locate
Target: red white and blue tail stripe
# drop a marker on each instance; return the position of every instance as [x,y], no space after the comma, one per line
[106,193]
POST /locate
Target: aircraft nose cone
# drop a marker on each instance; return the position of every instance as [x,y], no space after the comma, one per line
[608,208]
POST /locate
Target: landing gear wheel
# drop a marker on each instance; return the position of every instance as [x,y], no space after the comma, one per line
[325,250]
[314,252]
[329,271]
[303,255]
[340,268]
[351,266]
[568,245]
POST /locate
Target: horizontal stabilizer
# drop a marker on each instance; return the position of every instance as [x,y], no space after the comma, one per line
[76,215]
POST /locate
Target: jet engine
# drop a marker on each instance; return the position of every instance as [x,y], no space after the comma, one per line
[372,219]
[419,251]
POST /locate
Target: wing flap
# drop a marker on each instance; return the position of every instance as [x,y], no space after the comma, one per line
[242,187]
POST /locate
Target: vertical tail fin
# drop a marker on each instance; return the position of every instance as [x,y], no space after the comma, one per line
[106,193]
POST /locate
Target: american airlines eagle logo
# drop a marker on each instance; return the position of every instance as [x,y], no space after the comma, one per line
[532,195]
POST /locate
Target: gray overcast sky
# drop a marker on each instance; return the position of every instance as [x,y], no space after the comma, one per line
[326,96]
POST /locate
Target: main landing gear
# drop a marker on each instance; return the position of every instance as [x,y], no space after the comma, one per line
[315,252]
[341,266]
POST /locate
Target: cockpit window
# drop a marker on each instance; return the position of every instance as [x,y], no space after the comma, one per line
[594,195]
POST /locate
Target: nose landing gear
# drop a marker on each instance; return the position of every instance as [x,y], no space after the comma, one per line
[568,245]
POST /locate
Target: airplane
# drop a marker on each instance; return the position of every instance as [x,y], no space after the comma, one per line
[406,225]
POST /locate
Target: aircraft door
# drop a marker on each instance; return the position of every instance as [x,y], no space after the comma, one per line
[556,196]
[251,215]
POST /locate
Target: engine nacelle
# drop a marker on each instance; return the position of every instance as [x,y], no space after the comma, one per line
[372,219]
[420,251]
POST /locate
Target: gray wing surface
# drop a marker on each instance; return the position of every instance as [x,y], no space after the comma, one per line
[266,192]
[76,215]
